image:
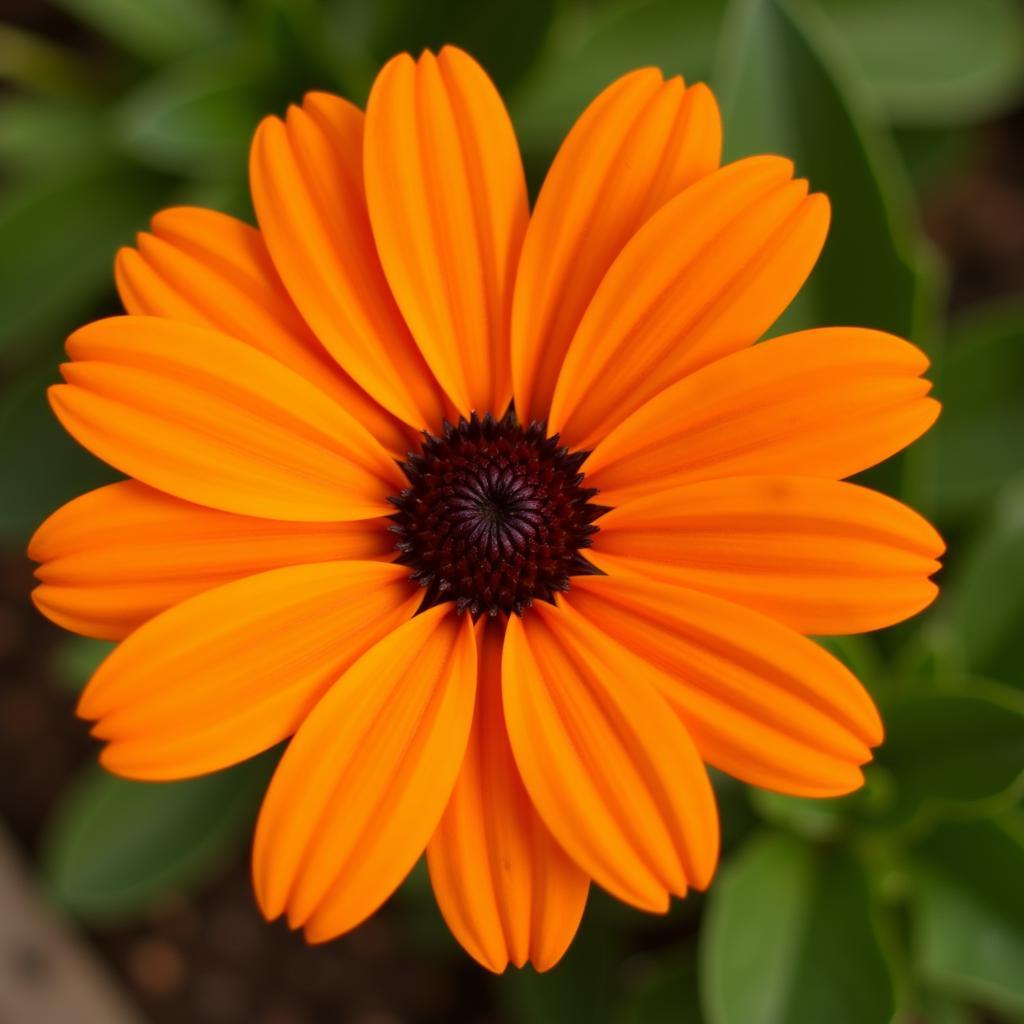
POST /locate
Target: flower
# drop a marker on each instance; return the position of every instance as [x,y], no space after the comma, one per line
[501,519]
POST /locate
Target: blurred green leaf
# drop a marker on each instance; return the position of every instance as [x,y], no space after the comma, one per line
[784,89]
[57,245]
[735,815]
[954,748]
[38,133]
[987,599]
[195,117]
[155,30]
[933,154]
[76,659]
[230,195]
[858,653]
[788,939]
[968,911]
[660,988]
[504,35]
[935,61]
[809,819]
[116,846]
[979,384]
[295,43]
[41,466]
[937,1008]
[582,58]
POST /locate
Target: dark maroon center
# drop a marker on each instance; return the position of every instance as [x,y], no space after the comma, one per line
[495,516]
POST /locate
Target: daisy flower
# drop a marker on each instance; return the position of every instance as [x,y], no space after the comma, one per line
[500,518]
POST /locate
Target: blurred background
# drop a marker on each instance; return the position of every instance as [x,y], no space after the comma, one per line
[904,902]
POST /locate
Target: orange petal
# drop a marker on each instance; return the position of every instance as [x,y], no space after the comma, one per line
[212,420]
[306,174]
[236,669]
[609,768]
[363,785]
[761,702]
[821,556]
[505,887]
[824,403]
[638,144]
[447,200]
[212,270]
[707,275]
[117,556]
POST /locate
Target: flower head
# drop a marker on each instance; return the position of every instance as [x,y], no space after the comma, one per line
[501,519]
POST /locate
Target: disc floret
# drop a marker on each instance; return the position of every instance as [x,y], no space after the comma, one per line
[495,515]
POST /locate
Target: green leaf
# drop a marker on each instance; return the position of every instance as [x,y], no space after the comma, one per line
[935,61]
[979,384]
[585,55]
[155,30]
[735,815]
[858,653]
[954,748]
[936,1008]
[784,89]
[195,117]
[115,846]
[230,195]
[934,154]
[42,465]
[968,911]
[76,659]
[38,133]
[987,599]
[57,244]
[504,35]
[660,988]
[789,939]
[809,819]
[297,42]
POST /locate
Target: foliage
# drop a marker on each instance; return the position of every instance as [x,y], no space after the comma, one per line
[901,902]
[116,846]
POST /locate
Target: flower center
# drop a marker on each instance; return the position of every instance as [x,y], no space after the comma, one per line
[495,516]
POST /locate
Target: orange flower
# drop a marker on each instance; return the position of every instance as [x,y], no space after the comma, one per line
[337,530]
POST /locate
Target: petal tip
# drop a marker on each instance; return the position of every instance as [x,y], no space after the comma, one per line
[451,51]
[270,908]
[90,709]
[818,209]
[315,934]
